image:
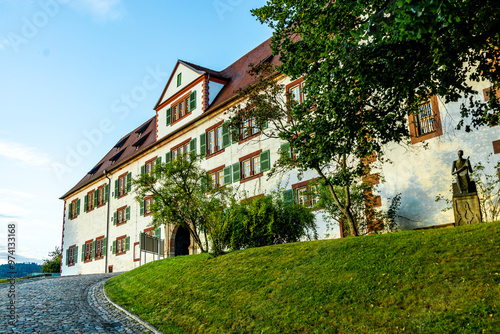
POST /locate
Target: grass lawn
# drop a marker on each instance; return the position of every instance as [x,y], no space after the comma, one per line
[428,281]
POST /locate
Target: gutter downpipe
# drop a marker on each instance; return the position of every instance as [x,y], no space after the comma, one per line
[105,172]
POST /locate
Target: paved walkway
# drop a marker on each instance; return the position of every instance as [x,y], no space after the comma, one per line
[73,304]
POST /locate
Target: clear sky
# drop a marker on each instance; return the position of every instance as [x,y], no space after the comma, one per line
[77,75]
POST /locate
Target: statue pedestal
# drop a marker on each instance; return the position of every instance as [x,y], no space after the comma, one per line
[466,209]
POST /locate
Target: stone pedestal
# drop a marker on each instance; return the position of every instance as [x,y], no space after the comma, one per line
[466,209]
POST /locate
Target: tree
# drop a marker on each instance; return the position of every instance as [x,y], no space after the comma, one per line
[367,65]
[182,196]
[53,264]
[267,220]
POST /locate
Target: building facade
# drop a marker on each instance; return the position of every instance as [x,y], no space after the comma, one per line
[103,222]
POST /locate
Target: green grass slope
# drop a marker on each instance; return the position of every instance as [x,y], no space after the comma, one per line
[431,281]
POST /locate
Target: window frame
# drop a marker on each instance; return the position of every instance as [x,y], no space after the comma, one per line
[250,158]
[217,181]
[74,212]
[122,241]
[91,201]
[218,142]
[175,113]
[123,213]
[299,83]
[71,255]
[148,199]
[307,187]
[438,130]
[101,196]
[122,185]
[88,250]
[99,245]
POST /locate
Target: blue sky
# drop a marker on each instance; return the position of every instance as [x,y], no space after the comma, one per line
[77,75]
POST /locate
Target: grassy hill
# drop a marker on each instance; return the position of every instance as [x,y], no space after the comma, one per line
[431,281]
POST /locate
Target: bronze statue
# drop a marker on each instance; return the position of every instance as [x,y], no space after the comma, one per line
[461,169]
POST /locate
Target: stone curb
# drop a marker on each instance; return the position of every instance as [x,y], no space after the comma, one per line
[131,315]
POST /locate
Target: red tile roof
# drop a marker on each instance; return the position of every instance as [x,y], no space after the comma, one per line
[128,151]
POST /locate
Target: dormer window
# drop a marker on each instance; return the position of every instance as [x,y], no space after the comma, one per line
[116,156]
[179,79]
[95,169]
[141,141]
[141,130]
[121,143]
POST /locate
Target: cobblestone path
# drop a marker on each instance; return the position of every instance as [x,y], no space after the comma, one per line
[73,304]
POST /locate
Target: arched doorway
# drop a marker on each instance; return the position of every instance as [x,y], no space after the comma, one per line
[182,241]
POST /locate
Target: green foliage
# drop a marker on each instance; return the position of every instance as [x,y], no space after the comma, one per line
[488,189]
[429,281]
[267,221]
[21,269]
[53,264]
[182,196]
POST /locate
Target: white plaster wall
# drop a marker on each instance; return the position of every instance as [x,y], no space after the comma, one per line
[422,172]
[188,76]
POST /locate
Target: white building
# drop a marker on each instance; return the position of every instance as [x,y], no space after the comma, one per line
[103,222]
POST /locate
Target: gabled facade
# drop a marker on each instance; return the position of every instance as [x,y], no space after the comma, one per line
[103,221]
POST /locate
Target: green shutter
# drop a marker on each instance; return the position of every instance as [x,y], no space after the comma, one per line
[115,217]
[227,175]
[67,256]
[75,255]
[83,252]
[169,116]
[142,208]
[158,161]
[127,243]
[265,161]
[114,247]
[104,246]
[168,157]
[288,197]
[93,249]
[203,144]
[192,101]
[179,79]
[265,125]
[158,232]
[236,172]
[192,148]
[157,167]
[69,210]
[226,134]
[77,207]
[143,169]
[116,188]
[204,183]
[285,150]
[127,213]
[129,182]
[235,134]
[106,193]
[95,198]
[86,199]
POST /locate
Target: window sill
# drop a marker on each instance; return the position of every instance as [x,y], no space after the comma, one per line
[87,261]
[89,210]
[121,253]
[101,205]
[214,154]
[99,258]
[121,196]
[249,138]
[148,214]
[250,178]
[71,265]
[121,223]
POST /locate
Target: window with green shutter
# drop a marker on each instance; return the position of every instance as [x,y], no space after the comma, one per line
[285,150]
[104,246]
[227,175]
[169,116]
[83,252]
[288,197]
[85,203]
[226,135]
[192,101]
[77,207]
[106,193]
[203,144]
[236,172]
[114,247]
[129,182]
[127,213]
[192,148]
[179,79]
[265,161]
[127,243]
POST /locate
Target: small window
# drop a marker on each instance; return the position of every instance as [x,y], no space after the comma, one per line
[99,246]
[179,79]
[88,251]
[147,205]
[74,209]
[249,128]
[121,216]
[305,193]
[425,119]
[120,245]
[297,91]
[90,201]
[215,139]
[122,185]
[71,256]
[302,195]
[101,198]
